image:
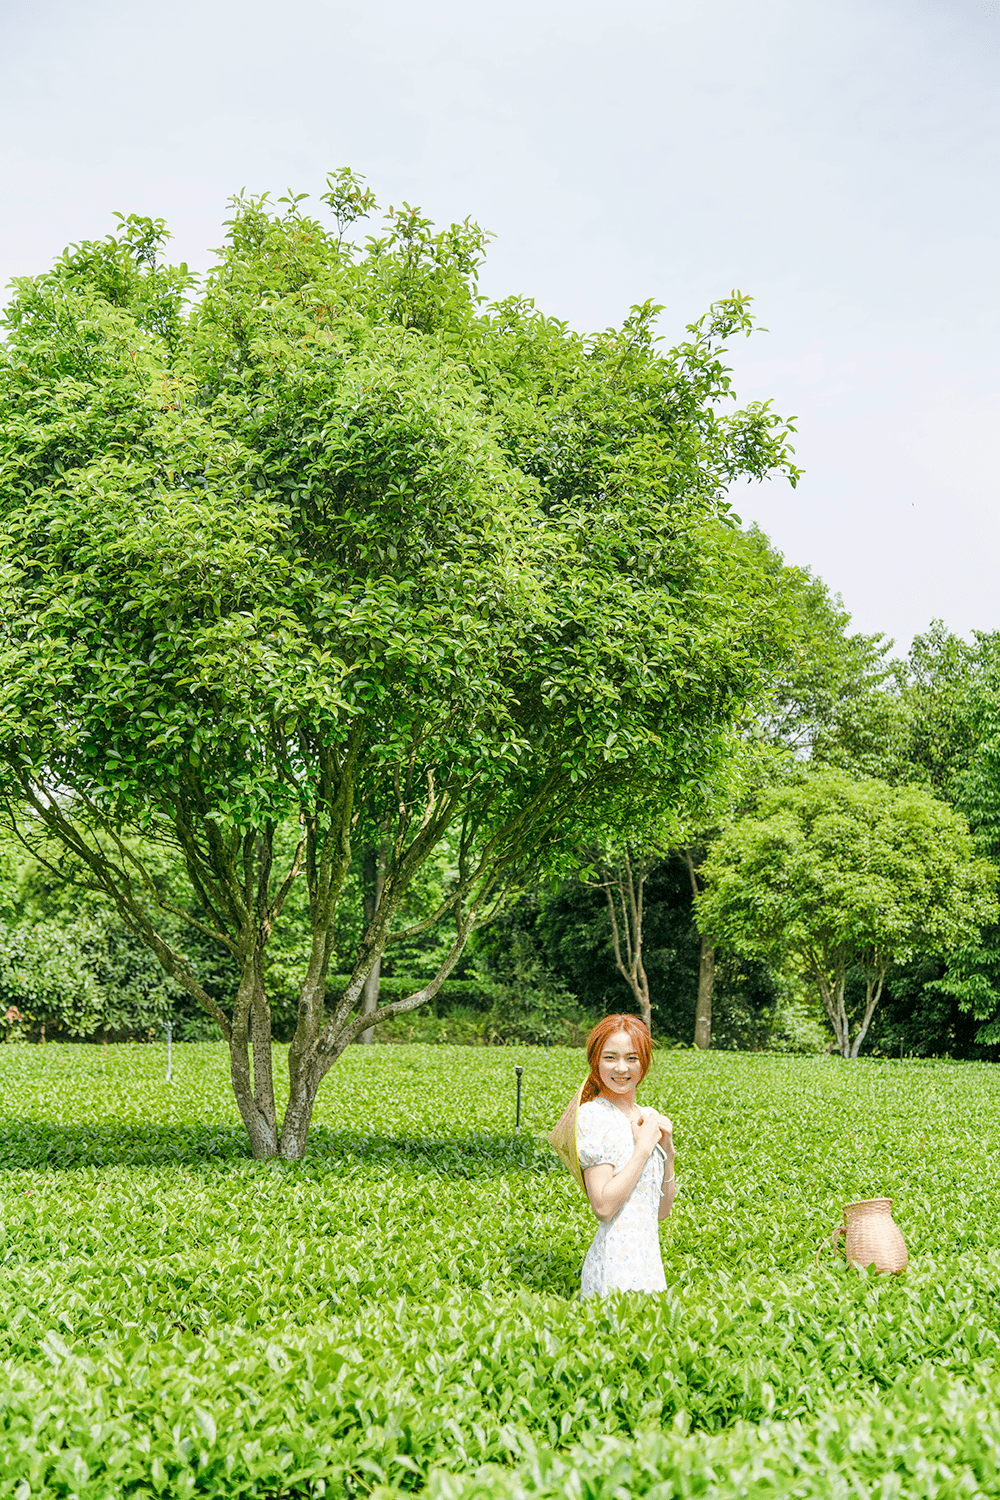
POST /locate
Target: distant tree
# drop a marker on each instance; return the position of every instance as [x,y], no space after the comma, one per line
[567,924]
[525,1001]
[912,722]
[938,723]
[826,682]
[826,678]
[331,535]
[833,874]
[832,686]
[621,877]
[952,704]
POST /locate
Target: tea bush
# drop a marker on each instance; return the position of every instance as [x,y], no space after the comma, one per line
[397,1313]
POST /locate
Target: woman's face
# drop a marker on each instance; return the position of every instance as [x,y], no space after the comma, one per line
[618,1067]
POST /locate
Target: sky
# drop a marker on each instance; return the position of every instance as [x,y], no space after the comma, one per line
[836,161]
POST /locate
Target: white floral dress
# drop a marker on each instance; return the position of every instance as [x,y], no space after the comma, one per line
[625,1254]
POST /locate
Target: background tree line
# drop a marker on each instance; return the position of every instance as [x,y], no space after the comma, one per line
[547,963]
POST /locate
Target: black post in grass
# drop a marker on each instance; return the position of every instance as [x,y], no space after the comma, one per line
[548,1038]
[517,1124]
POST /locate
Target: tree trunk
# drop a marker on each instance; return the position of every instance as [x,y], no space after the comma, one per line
[832,996]
[369,1000]
[374,861]
[630,883]
[303,1081]
[251,1025]
[302,1097]
[640,988]
[706,986]
[261,1126]
[706,972]
[873,993]
[298,1115]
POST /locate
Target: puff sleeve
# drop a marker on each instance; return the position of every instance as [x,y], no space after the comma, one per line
[601,1136]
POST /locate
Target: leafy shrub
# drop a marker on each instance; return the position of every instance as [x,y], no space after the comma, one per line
[80,979]
[458,1026]
[528,1001]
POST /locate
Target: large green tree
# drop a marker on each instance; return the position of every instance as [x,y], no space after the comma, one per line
[328,553]
[834,874]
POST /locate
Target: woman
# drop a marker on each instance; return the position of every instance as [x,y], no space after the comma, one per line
[626,1153]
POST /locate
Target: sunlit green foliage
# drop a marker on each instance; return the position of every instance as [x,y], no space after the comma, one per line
[398,1311]
[933,721]
[834,874]
[329,554]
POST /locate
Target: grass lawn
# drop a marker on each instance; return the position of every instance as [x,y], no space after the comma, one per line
[397,1313]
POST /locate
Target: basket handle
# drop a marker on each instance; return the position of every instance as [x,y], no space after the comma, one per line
[831,1240]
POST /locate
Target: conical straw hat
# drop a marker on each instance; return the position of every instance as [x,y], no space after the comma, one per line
[563,1138]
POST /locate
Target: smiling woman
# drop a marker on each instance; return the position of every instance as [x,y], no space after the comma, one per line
[626,1153]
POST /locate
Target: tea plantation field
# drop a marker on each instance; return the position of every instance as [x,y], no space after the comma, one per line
[396,1314]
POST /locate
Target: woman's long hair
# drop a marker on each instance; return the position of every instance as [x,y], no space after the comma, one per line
[639,1037]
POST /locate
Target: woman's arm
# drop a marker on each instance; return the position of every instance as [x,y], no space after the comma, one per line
[606,1189]
[668,1191]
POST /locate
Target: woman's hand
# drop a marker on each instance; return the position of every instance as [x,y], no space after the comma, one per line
[648,1129]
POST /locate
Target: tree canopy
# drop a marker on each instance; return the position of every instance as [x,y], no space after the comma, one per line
[833,873]
[327,547]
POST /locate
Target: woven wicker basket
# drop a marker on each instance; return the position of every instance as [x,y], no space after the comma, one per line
[562,1138]
[871,1238]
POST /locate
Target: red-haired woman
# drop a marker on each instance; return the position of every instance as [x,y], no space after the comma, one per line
[626,1153]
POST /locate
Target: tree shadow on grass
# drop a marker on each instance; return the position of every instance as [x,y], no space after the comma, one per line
[39,1145]
[552,1269]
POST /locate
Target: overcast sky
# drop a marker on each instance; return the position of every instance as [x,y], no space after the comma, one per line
[836,160]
